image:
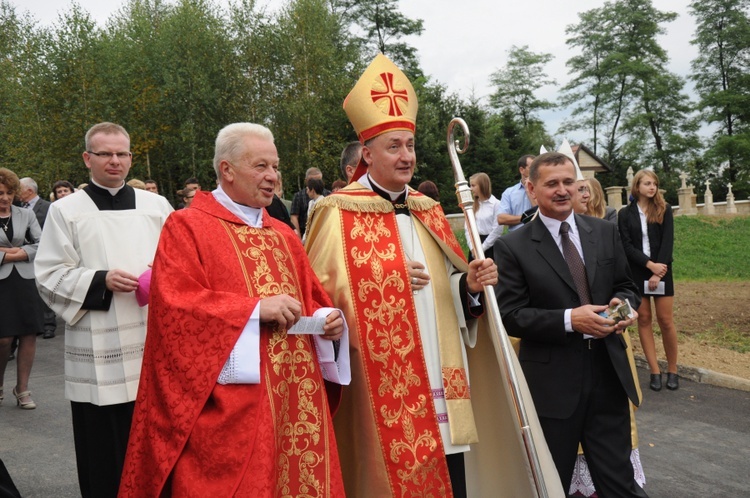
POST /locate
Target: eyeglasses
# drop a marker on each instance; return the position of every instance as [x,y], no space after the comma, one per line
[582,190]
[108,155]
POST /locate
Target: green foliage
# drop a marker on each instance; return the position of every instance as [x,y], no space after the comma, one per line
[382,28]
[722,82]
[517,82]
[711,248]
[623,93]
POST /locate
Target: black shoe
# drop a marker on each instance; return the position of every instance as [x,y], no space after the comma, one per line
[655,384]
[672,381]
[48,334]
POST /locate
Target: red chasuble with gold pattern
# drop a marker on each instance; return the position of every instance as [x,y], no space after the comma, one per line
[194,437]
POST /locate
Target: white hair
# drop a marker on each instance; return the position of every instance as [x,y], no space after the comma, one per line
[27,182]
[230,141]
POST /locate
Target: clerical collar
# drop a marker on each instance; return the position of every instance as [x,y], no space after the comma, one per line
[251,216]
[398,199]
[123,198]
[112,191]
[383,192]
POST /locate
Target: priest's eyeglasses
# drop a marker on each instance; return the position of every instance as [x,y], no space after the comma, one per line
[108,155]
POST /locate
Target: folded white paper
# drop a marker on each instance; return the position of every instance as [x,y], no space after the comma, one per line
[659,291]
[309,325]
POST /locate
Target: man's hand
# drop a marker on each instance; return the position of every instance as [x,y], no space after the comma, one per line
[121,281]
[417,275]
[586,320]
[334,327]
[481,272]
[282,309]
[623,324]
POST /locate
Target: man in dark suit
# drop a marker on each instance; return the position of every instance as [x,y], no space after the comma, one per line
[30,198]
[556,275]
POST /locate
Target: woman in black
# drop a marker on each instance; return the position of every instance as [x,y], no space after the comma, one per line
[647,231]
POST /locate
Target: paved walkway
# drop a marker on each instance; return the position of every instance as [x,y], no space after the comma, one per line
[694,442]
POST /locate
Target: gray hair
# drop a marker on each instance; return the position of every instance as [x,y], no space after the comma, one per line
[350,156]
[230,141]
[313,172]
[106,128]
[27,182]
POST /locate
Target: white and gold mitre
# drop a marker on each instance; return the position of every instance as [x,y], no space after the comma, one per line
[382,100]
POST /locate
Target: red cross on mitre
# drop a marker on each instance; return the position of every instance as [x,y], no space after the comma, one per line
[394,98]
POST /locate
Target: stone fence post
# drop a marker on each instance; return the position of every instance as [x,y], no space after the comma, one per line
[614,197]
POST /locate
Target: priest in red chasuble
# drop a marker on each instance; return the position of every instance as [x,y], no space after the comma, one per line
[427,413]
[233,399]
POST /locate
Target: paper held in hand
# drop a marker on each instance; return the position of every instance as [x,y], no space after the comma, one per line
[620,312]
[659,291]
[308,325]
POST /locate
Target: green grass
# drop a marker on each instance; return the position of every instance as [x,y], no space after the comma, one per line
[711,248]
[725,337]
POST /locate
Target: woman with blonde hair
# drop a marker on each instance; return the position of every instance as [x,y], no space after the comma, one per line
[486,210]
[597,207]
[647,231]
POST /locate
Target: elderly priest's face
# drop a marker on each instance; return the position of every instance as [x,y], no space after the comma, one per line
[251,178]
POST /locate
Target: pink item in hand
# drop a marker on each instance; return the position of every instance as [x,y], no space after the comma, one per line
[144,288]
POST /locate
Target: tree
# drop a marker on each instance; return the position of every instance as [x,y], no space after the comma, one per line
[383,28]
[622,90]
[517,82]
[721,76]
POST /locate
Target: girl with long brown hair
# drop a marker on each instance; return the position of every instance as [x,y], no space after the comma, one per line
[647,231]
[486,210]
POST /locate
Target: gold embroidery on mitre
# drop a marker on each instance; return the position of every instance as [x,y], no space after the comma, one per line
[383,99]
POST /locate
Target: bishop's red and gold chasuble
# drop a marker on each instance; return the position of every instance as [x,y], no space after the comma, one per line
[389,348]
[194,437]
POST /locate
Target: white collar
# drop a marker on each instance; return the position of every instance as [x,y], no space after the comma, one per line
[553,225]
[251,216]
[112,191]
[368,182]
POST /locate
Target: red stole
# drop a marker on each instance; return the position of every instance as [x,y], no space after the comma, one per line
[400,395]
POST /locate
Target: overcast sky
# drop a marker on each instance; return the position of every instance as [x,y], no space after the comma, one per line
[461,47]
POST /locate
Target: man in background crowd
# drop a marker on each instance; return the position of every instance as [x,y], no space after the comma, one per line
[300,202]
[30,198]
[350,157]
[515,199]
[151,186]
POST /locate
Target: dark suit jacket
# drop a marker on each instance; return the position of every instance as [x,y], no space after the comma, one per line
[660,236]
[535,288]
[40,210]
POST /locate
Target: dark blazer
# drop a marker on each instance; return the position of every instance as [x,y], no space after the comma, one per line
[660,236]
[40,210]
[535,288]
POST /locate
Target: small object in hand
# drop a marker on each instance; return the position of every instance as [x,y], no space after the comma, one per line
[620,312]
